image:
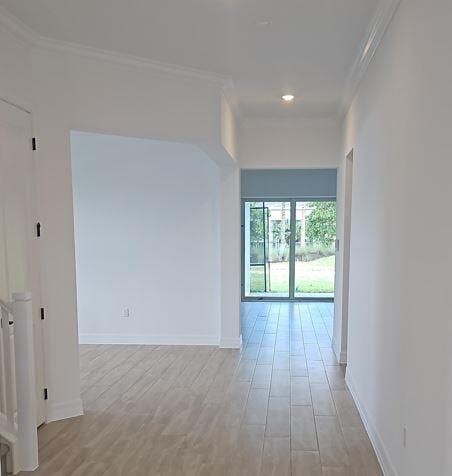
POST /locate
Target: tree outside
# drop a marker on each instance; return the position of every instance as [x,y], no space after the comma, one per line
[321,223]
[315,234]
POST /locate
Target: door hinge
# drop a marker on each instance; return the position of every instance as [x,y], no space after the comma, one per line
[46,394]
[33,143]
[38,229]
[43,314]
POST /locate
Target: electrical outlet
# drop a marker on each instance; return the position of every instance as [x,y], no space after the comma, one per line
[125,312]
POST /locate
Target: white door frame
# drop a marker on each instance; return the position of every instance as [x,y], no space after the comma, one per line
[343,251]
[291,297]
[20,117]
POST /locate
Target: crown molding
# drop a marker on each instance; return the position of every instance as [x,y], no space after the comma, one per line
[298,122]
[375,33]
[31,38]
[130,60]
[20,30]
[231,98]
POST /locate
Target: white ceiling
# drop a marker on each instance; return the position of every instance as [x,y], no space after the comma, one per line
[307,49]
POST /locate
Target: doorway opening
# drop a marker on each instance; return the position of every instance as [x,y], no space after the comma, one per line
[288,249]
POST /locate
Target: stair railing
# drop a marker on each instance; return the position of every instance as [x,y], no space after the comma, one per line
[18,421]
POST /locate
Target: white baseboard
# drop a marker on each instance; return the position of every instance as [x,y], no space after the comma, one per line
[341,356]
[377,443]
[63,410]
[231,343]
[148,339]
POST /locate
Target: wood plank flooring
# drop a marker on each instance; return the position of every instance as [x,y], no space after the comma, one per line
[280,407]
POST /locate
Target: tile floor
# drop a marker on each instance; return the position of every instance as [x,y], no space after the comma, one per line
[279,407]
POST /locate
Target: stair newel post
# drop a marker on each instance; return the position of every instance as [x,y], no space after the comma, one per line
[25,382]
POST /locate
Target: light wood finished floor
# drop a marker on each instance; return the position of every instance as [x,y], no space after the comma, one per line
[280,407]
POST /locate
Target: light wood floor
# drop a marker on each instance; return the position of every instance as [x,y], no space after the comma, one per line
[280,407]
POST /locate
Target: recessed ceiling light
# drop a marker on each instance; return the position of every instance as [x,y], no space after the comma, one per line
[288,97]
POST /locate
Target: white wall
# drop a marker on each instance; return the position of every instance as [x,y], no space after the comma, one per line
[309,143]
[79,89]
[230,257]
[15,61]
[399,348]
[147,238]
[69,88]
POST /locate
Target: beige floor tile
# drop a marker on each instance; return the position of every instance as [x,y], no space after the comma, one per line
[333,451]
[346,409]
[303,431]
[262,376]
[298,366]
[276,457]
[300,391]
[278,417]
[247,457]
[362,456]
[266,356]
[280,383]
[306,463]
[256,407]
[336,376]
[281,361]
[322,400]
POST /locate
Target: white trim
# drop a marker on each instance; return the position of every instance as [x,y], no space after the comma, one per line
[148,339]
[341,356]
[32,38]
[298,122]
[231,99]
[380,450]
[376,31]
[130,60]
[63,410]
[231,343]
[22,32]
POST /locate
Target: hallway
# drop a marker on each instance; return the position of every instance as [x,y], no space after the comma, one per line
[279,408]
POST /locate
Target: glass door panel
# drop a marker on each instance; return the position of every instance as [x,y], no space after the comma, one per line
[315,236]
[258,246]
[289,249]
[267,248]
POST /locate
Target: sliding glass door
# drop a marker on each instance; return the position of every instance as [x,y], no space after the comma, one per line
[288,249]
[315,253]
[267,248]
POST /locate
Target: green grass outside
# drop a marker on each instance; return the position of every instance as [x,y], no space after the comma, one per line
[315,276]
